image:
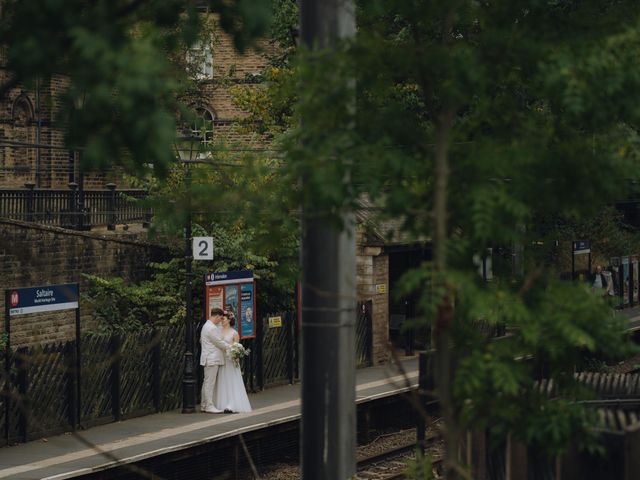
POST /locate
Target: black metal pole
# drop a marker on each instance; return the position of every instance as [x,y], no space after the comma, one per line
[78,365]
[188,377]
[421,425]
[259,349]
[7,364]
[328,427]
[631,282]
[621,283]
[80,224]
[23,388]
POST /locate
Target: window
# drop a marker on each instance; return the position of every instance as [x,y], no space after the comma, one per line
[200,61]
[23,156]
[203,125]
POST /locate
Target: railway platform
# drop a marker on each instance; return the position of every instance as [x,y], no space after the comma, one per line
[121,446]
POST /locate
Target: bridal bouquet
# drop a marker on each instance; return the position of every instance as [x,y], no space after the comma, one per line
[237,352]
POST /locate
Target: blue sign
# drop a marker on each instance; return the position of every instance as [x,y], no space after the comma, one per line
[43,299]
[226,278]
[581,246]
[247,323]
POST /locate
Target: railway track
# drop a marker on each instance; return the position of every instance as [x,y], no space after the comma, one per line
[391,464]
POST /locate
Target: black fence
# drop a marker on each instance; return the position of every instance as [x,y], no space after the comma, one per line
[132,374]
[275,358]
[75,208]
[120,376]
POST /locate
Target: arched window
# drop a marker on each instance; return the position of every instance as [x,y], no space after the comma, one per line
[203,125]
[22,156]
[22,112]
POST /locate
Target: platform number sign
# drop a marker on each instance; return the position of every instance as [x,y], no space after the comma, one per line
[203,248]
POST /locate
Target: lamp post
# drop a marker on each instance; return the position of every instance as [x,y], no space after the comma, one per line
[187,152]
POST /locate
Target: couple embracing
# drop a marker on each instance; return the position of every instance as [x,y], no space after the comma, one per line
[223,388]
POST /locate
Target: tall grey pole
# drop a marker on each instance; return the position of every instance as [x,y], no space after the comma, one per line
[328,300]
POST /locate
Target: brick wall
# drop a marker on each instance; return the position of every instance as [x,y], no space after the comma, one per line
[372,270]
[32,255]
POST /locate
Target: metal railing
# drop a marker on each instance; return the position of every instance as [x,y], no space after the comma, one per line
[75,208]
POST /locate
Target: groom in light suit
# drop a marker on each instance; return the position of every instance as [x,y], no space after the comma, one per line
[213,353]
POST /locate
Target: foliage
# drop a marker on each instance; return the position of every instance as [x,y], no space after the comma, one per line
[609,235]
[420,467]
[533,118]
[121,307]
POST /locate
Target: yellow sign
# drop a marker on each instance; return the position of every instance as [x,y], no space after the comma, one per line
[381,288]
[275,322]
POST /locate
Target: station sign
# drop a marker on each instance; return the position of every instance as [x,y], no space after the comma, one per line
[233,291]
[581,246]
[47,298]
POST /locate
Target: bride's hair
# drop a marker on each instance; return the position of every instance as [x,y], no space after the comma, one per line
[232,319]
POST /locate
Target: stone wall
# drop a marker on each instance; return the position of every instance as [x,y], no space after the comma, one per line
[373,284]
[32,255]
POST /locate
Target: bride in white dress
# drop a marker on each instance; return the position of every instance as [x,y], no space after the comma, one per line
[230,394]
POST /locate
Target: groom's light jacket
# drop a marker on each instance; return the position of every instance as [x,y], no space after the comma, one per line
[213,346]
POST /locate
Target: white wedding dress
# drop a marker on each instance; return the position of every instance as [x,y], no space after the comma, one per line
[230,393]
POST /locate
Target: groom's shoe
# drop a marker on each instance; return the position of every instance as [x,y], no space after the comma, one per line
[226,410]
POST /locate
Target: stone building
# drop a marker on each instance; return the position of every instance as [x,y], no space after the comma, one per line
[383,256]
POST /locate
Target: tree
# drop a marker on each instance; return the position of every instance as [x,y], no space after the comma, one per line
[474,121]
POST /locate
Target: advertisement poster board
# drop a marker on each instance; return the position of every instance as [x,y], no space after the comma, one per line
[233,291]
[231,301]
[247,325]
[214,298]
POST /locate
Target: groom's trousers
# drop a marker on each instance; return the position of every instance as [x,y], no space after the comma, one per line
[208,384]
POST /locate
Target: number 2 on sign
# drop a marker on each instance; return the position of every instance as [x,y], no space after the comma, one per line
[203,248]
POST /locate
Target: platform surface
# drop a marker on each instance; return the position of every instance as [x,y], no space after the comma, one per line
[128,441]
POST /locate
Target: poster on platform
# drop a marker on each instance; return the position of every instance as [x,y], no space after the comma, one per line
[231,300]
[214,298]
[234,291]
[247,323]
